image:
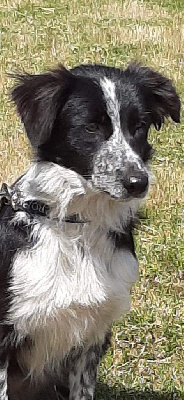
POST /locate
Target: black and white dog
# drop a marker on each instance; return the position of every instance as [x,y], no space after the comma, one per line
[67,256]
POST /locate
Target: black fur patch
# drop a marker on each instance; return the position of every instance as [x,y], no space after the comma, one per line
[13,238]
[124,240]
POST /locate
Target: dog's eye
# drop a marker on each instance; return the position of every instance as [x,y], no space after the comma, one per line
[91,128]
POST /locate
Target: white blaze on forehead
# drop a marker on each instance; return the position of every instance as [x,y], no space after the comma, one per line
[113,110]
[112,104]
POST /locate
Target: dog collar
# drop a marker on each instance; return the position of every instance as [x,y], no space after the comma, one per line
[32,207]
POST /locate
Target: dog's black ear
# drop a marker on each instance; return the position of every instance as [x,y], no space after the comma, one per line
[38,99]
[161,99]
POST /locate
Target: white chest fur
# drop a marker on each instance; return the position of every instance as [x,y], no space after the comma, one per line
[69,288]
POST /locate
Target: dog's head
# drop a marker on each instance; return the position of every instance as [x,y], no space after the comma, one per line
[95,121]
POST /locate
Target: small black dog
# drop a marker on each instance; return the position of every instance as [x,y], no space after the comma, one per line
[67,256]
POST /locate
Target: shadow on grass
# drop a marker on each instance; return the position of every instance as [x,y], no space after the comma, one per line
[104,392]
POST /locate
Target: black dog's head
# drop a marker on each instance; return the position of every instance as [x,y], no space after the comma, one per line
[95,120]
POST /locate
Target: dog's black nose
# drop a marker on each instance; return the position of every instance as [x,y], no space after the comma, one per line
[135,185]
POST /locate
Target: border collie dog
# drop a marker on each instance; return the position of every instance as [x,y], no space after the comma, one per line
[67,255]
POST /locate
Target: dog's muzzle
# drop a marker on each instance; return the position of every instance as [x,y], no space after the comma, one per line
[118,171]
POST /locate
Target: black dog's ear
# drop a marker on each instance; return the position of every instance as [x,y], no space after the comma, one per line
[38,99]
[161,99]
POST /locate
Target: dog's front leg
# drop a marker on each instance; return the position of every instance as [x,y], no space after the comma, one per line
[82,376]
[3,379]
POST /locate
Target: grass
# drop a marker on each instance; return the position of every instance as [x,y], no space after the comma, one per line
[146,358]
[175,5]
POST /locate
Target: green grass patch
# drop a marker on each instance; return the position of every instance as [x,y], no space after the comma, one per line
[172,5]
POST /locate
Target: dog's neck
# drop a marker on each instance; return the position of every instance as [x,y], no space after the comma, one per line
[103,211]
